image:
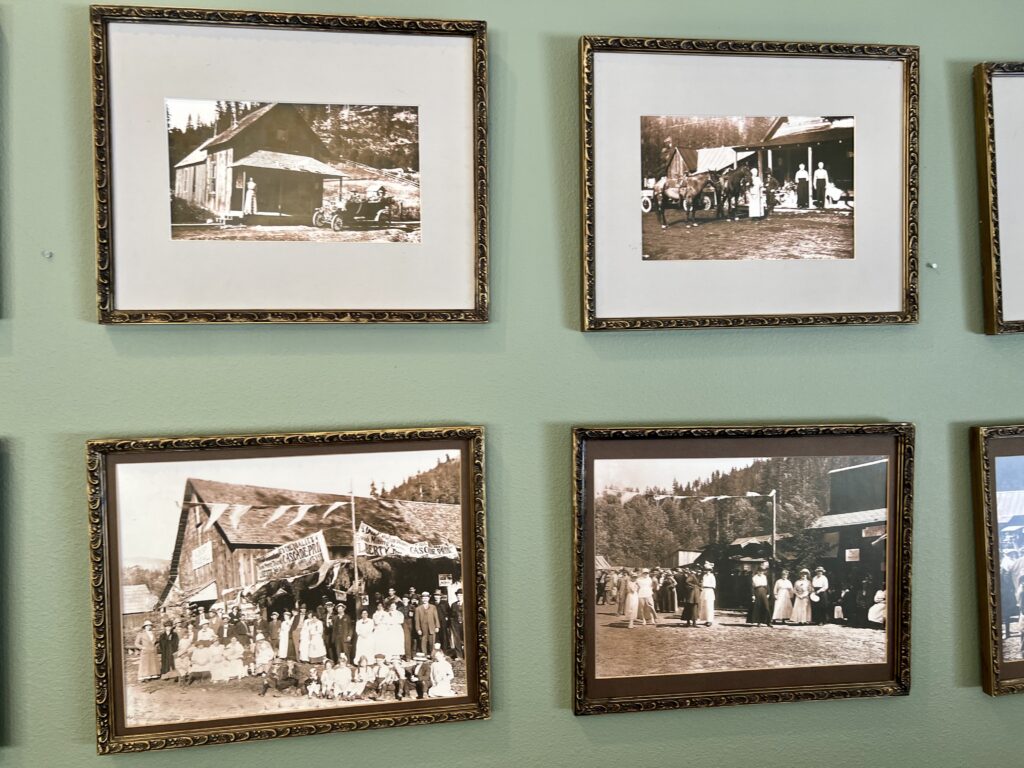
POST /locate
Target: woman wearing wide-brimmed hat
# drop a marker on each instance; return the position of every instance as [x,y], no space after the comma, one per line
[821,607]
[802,599]
[149,659]
[708,586]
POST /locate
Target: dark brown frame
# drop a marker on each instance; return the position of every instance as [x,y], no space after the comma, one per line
[988,199]
[592,696]
[113,736]
[907,54]
[998,677]
[101,16]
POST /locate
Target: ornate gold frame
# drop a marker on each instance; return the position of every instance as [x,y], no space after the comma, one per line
[111,735]
[998,677]
[900,540]
[907,54]
[988,199]
[103,15]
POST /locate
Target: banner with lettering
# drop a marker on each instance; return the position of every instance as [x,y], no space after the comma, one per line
[372,543]
[293,558]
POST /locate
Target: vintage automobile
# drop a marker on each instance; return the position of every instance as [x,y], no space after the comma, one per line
[356,211]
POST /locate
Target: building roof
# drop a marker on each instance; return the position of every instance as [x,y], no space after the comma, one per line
[804,130]
[136,598]
[230,133]
[279,161]
[843,519]
[745,540]
[1009,504]
[409,520]
[197,155]
[601,564]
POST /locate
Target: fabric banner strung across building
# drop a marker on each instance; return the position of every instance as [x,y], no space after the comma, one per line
[295,557]
[373,543]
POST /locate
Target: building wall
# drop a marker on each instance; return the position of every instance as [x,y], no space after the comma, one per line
[529,375]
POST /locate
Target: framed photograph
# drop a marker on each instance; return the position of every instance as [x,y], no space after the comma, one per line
[730,183]
[999,110]
[263,586]
[277,167]
[998,459]
[737,565]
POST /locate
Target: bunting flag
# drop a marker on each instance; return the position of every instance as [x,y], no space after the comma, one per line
[303,509]
[215,510]
[333,507]
[237,510]
[277,513]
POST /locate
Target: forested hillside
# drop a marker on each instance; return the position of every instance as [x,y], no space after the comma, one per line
[639,528]
[660,135]
[442,483]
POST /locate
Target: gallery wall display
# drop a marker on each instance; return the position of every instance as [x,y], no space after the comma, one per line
[999,114]
[730,183]
[262,586]
[736,565]
[276,167]
[998,462]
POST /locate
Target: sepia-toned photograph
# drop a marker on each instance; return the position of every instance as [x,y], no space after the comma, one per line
[291,585]
[1009,493]
[715,567]
[707,180]
[272,171]
[328,168]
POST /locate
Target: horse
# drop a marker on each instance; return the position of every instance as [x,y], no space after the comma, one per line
[733,183]
[687,191]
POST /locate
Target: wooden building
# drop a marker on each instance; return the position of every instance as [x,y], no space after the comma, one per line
[137,605]
[808,140]
[855,528]
[226,531]
[274,147]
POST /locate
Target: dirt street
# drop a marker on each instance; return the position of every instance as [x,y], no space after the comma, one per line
[783,235]
[730,644]
[299,233]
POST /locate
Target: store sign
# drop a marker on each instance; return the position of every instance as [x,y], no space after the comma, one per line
[873,532]
[293,558]
[853,555]
[373,543]
[202,555]
[444,580]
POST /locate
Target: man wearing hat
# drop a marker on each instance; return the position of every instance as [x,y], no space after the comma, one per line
[273,627]
[457,624]
[444,612]
[168,646]
[688,592]
[426,622]
[418,675]
[819,589]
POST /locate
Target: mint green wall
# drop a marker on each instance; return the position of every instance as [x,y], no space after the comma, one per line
[528,376]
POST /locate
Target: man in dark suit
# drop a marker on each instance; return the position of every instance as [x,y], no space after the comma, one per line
[457,624]
[342,632]
[427,624]
[443,619]
[273,632]
[328,619]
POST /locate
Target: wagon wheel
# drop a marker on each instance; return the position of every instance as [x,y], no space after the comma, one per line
[645,204]
[337,223]
[708,202]
[318,218]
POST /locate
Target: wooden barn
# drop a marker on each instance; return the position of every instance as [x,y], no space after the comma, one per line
[137,605]
[230,536]
[274,147]
[856,525]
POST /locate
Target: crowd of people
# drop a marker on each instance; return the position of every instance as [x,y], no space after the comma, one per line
[641,594]
[403,648]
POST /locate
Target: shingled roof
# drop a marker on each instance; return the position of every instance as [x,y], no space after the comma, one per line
[409,520]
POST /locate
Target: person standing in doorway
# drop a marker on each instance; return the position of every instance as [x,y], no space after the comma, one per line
[249,206]
[820,185]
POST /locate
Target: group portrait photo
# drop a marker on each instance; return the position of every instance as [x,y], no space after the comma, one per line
[291,585]
[726,570]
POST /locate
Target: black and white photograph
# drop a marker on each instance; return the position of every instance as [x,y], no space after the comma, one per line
[706,180]
[289,168]
[292,585]
[777,183]
[730,565]
[1009,523]
[278,171]
[743,563]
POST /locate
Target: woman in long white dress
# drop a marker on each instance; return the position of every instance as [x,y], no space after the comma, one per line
[313,649]
[441,676]
[783,592]
[284,635]
[876,613]
[394,635]
[708,585]
[802,599]
[364,642]
[755,195]
[632,599]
